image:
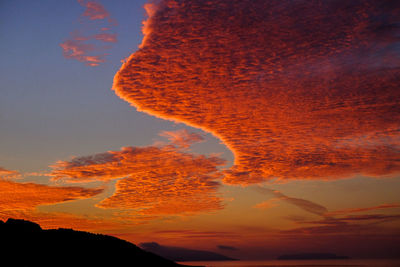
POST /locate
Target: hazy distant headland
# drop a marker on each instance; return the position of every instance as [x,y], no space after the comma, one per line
[183,254]
[24,243]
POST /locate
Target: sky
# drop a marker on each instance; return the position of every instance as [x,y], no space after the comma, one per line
[250,128]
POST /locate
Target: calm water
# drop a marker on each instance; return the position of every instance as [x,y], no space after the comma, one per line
[294,263]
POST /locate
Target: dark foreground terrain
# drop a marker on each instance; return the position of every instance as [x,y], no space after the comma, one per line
[24,243]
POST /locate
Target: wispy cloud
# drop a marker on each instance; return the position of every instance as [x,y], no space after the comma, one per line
[357,210]
[94,10]
[106,37]
[267,204]
[296,90]
[78,50]
[8,174]
[182,138]
[330,218]
[303,204]
[88,47]
[360,224]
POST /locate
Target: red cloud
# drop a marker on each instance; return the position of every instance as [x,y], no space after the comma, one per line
[170,196]
[156,180]
[267,204]
[27,196]
[94,10]
[78,50]
[182,138]
[296,89]
[85,48]
[8,174]
[21,200]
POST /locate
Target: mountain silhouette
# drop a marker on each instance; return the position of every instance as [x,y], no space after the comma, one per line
[24,243]
[183,254]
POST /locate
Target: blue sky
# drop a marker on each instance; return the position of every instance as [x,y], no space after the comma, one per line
[53,107]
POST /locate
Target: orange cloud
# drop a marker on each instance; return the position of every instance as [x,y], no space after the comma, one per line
[8,174]
[94,10]
[156,180]
[20,200]
[267,204]
[78,50]
[182,138]
[85,47]
[297,90]
[27,196]
[165,194]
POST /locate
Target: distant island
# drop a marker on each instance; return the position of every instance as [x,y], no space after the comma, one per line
[312,256]
[24,243]
[183,254]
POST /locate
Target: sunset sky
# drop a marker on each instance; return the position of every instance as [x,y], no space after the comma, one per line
[250,128]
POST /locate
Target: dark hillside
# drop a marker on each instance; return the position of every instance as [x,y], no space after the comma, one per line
[24,243]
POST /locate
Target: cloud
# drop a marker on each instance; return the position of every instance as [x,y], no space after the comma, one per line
[156,180]
[94,10]
[344,222]
[22,200]
[182,138]
[165,195]
[25,196]
[78,50]
[317,209]
[87,47]
[303,204]
[356,210]
[106,37]
[8,174]
[360,224]
[370,217]
[296,89]
[267,204]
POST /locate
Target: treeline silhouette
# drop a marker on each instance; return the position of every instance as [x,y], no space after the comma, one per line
[25,244]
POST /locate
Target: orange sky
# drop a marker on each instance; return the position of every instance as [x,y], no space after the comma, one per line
[305,95]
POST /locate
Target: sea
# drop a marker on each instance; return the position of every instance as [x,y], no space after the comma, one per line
[298,263]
